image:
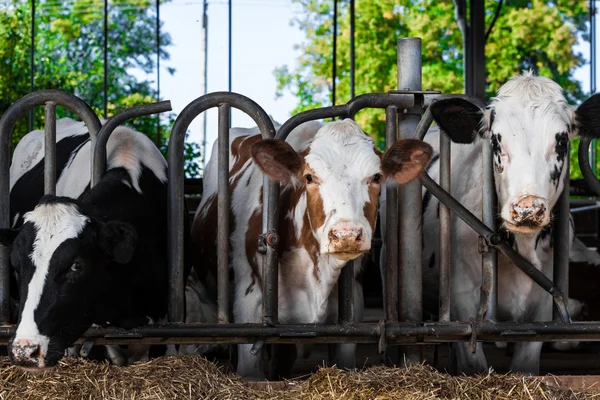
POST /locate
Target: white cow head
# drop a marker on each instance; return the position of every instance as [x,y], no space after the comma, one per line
[529,125]
[337,178]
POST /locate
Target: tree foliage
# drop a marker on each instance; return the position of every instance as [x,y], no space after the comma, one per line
[69,55]
[535,34]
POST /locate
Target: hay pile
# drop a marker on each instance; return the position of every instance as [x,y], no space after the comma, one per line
[196,378]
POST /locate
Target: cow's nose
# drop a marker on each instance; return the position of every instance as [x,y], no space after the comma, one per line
[24,351]
[346,233]
[528,210]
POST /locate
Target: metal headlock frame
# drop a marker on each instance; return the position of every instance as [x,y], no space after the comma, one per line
[398,327]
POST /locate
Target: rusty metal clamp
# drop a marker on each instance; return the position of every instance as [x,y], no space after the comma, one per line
[266,240]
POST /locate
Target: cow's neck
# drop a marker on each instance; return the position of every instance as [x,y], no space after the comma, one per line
[305,274]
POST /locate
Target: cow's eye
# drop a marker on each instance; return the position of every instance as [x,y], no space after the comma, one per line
[76,267]
[309,178]
[562,142]
[376,178]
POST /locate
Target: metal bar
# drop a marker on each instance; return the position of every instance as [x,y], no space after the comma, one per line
[223,215]
[371,100]
[157,140]
[584,164]
[345,355]
[395,333]
[409,200]
[334,51]
[445,231]
[176,174]
[495,240]
[32,63]
[229,26]
[204,117]
[105,31]
[17,110]
[561,240]
[391,236]
[271,264]
[50,149]
[489,260]
[352,51]
[475,60]
[585,208]
[99,141]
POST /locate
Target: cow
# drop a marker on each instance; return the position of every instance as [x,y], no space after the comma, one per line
[330,178]
[86,255]
[528,126]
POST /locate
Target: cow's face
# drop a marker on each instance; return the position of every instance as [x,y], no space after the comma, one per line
[61,258]
[340,175]
[528,126]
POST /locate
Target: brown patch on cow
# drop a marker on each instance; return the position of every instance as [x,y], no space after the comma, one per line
[277,159]
[406,160]
[314,202]
[241,150]
[370,208]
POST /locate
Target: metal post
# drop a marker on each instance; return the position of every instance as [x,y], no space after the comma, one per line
[561,242]
[334,55]
[32,63]
[50,149]
[270,265]
[230,21]
[345,354]
[205,26]
[158,70]
[489,260]
[409,200]
[352,55]
[391,236]
[223,215]
[445,231]
[593,73]
[105,58]
[475,51]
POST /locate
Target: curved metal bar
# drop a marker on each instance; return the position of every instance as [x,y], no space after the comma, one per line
[176,195]
[584,165]
[99,142]
[348,110]
[495,240]
[17,110]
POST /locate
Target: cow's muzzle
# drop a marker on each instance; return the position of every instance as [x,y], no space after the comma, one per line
[26,353]
[347,241]
[528,215]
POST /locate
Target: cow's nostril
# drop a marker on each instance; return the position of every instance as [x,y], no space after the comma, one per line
[333,236]
[359,235]
[35,352]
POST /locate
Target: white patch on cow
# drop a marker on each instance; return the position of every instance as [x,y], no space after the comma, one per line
[54,223]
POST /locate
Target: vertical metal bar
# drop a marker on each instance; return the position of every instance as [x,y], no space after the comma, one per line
[592,10]
[32,63]
[230,24]
[334,55]
[477,49]
[158,69]
[352,55]
[409,200]
[345,352]
[105,58]
[223,215]
[445,231]
[391,236]
[5,224]
[50,149]
[204,120]
[561,242]
[489,260]
[270,265]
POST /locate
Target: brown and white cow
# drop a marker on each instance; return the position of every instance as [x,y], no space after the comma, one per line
[330,182]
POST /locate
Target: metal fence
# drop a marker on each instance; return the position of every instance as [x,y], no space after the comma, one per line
[407,116]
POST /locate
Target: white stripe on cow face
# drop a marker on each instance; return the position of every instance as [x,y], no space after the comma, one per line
[342,156]
[54,223]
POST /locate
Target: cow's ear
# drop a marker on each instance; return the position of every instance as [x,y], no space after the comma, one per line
[277,159]
[587,118]
[119,241]
[406,160]
[458,117]
[8,236]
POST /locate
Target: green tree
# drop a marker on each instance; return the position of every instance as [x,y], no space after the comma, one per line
[532,34]
[69,46]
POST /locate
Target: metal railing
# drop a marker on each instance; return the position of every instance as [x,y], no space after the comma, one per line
[407,116]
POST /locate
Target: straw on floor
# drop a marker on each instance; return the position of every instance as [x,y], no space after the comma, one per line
[194,377]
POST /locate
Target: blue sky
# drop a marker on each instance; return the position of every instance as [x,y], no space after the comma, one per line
[262,40]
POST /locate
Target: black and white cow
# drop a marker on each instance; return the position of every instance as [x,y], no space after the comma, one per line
[528,125]
[86,256]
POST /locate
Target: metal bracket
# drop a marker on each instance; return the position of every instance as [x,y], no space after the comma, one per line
[86,347]
[491,240]
[381,345]
[265,240]
[473,339]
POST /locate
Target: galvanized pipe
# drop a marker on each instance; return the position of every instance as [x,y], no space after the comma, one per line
[409,200]
[445,231]
[50,148]
[223,215]
[391,235]
[584,165]
[100,140]
[7,124]
[176,174]
[489,260]
[561,240]
[271,262]
[346,355]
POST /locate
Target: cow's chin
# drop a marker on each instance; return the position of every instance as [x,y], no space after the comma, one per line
[522,229]
[345,256]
